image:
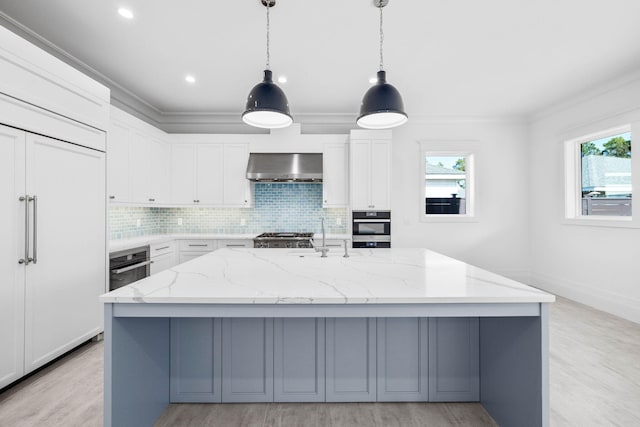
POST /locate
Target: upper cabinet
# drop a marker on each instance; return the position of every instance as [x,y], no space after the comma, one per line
[370,170]
[210,174]
[334,175]
[138,162]
[196,174]
[237,188]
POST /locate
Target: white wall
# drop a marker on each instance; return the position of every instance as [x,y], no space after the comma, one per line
[499,239]
[599,266]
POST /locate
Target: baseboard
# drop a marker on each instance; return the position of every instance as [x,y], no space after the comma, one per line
[601,299]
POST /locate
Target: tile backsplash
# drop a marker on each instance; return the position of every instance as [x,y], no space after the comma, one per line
[277,207]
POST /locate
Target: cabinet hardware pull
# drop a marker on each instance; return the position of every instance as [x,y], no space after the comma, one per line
[34,199]
[164,247]
[25,260]
[112,197]
[152,200]
[131,267]
[199,246]
[235,246]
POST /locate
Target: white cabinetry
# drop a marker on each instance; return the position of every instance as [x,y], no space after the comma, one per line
[370,170]
[52,207]
[193,248]
[197,174]
[62,209]
[334,175]
[139,162]
[237,188]
[148,169]
[235,243]
[163,256]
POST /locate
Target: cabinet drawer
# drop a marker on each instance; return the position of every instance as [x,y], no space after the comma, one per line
[157,249]
[198,245]
[235,243]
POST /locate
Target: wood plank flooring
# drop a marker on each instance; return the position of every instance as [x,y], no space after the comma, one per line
[594,381]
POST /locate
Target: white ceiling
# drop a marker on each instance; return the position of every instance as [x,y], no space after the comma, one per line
[447,58]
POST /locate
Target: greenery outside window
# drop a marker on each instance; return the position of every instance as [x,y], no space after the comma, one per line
[599,177]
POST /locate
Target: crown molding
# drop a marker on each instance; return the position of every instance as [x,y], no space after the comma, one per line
[219,122]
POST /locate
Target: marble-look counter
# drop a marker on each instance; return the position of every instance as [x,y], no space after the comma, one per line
[301,276]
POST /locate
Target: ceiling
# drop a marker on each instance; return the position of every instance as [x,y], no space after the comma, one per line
[466,58]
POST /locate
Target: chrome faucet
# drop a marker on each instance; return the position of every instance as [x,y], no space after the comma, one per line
[324,249]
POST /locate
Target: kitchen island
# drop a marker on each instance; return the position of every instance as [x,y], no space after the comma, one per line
[261,325]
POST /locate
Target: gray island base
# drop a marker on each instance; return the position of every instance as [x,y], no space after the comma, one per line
[439,330]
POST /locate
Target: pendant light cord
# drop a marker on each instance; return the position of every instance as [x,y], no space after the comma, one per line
[268,66]
[381,41]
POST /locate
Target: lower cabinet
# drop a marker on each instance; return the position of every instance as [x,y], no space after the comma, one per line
[299,360]
[351,359]
[324,360]
[247,360]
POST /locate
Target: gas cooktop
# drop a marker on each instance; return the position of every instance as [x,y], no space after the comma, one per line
[283,240]
[285,236]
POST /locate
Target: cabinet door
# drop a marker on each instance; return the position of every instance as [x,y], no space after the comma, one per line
[196,360]
[299,360]
[334,175]
[380,175]
[237,191]
[351,360]
[210,175]
[403,359]
[160,170]
[118,163]
[140,168]
[64,283]
[247,360]
[183,174]
[163,262]
[454,361]
[360,174]
[12,248]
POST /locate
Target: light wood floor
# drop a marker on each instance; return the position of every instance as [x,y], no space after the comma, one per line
[594,377]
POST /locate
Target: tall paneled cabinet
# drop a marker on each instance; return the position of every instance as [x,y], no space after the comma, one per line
[370,170]
[52,207]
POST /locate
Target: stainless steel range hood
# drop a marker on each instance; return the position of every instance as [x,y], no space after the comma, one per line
[285,167]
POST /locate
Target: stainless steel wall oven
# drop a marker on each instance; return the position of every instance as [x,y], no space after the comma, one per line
[371,229]
[128,266]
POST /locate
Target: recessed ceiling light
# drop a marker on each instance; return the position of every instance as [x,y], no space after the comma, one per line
[372,80]
[282,79]
[190,79]
[125,13]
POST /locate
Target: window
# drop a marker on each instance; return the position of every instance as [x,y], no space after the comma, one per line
[606,176]
[446,190]
[599,178]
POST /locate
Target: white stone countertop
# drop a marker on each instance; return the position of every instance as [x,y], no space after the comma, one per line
[300,276]
[122,244]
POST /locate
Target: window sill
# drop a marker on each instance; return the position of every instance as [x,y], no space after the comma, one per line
[602,221]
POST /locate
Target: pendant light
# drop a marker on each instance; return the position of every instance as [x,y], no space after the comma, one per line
[267,105]
[382,106]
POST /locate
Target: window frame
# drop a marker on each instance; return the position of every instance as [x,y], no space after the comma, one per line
[573,182]
[453,150]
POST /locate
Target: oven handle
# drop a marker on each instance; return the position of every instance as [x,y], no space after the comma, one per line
[131,267]
[371,220]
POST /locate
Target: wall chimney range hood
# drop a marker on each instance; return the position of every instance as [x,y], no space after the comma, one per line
[285,167]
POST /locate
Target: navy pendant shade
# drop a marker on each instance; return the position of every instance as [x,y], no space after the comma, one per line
[382,106]
[267,105]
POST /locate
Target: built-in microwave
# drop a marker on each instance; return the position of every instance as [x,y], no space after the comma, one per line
[371,229]
[371,223]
